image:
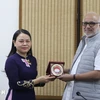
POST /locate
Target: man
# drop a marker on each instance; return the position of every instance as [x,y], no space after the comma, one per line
[84,76]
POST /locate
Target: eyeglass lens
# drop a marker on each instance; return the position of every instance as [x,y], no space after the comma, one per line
[91,24]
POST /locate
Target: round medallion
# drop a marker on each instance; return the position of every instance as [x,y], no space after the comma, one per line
[57,69]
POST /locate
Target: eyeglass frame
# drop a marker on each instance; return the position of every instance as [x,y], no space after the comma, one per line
[91,24]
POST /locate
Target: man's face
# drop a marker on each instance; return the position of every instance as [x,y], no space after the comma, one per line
[91,25]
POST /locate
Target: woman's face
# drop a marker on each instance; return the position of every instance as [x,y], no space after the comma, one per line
[22,44]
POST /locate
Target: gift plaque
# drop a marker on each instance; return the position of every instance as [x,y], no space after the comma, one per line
[55,68]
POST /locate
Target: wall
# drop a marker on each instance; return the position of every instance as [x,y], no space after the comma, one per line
[52,25]
[9,20]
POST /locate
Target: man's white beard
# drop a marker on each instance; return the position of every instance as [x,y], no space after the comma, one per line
[92,34]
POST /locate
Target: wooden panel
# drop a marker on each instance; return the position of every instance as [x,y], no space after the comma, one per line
[52,25]
[38,97]
[90,6]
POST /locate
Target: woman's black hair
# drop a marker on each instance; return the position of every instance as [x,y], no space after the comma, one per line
[16,34]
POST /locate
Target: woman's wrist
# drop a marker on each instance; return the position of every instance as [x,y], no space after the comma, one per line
[36,81]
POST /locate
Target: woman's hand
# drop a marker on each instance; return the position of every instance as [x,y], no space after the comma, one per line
[44,79]
[30,84]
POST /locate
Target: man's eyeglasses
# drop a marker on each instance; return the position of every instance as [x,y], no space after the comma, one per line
[91,24]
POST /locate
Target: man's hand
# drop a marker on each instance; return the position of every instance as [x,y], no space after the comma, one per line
[66,77]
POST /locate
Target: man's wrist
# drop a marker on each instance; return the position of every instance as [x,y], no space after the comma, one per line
[74,77]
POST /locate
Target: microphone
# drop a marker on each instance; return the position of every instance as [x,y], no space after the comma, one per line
[79,94]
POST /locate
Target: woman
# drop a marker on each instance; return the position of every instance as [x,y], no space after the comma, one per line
[21,68]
